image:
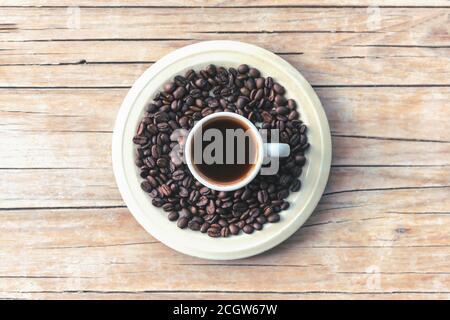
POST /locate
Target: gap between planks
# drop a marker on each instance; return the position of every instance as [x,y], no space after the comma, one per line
[287,6]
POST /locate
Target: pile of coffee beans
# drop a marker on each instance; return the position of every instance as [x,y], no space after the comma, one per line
[191,97]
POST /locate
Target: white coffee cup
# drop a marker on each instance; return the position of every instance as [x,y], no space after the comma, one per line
[272,150]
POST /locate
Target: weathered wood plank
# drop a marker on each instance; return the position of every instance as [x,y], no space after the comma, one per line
[73,127]
[60,110]
[221,3]
[326,71]
[106,251]
[93,149]
[58,188]
[192,295]
[150,23]
[96,187]
[326,46]
[379,230]
[397,113]
[386,56]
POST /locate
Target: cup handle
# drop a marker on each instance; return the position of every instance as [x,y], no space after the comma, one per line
[276,150]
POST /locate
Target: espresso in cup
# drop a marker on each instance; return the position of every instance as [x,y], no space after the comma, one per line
[225,151]
[228,150]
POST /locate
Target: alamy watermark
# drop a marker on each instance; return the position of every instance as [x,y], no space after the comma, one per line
[235,146]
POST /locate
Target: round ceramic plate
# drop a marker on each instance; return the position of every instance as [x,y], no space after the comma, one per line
[228,54]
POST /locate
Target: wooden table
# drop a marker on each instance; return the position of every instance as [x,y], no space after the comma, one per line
[382,228]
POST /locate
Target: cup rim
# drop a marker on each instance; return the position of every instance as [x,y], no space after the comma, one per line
[225,187]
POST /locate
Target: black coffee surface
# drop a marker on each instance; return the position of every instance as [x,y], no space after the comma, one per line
[227,173]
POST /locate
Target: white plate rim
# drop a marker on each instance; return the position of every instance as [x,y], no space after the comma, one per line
[121,175]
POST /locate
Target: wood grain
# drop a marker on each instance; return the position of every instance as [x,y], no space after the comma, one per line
[71,187]
[381,70]
[392,113]
[116,251]
[221,3]
[33,24]
[362,54]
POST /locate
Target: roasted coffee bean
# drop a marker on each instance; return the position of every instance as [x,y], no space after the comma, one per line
[292,105]
[227,204]
[245,91]
[179,93]
[183,192]
[225,232]
[211,70]
[194,225]
[194,196]
[151,108]
[285,179]
[248,229]
[284,205]
[211,207]
[182,222]
[214,232]
[300,159]
[283,194]
[152,181]
[268,211]
[178,175]
[162,162]
[246,195]
[234,229]
[254,212]
[296,185]
[266,116]
[281,101]
[169,87]
[277,202]
[191,97]
[253,72]
[146,186]
[185,213]
[154,193]
[140,129]
[243,68]
[274,217]
[282,110]
[163,127]
[261,219]
[168,207]
[263,197]
[140,140]
[155,151]
[239,207]
[158,202]
[222,223]
[165,190]
[257,226]
[205,226]
[260,83]
[184,122]
[173,216]
[203,201]
[279,89]
[293,115]
[161,117]
[152,129]
[222,195]
[242,102]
